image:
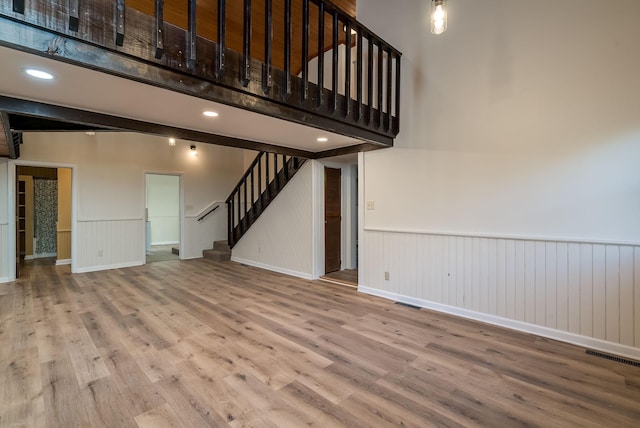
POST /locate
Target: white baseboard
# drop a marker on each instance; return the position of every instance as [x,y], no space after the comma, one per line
[4,279]
[107,267]
[165,243]
[63,262]
[303,275]
[563,336]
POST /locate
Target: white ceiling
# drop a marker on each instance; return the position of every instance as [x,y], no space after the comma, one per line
[91,90]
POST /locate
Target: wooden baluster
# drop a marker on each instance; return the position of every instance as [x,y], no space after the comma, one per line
[245,72]
[191,35]
[380,80]
[158,35]
[120,22]
[397,112]
[334,64]
[387,123]
[267,79]
[260,179]
[287,48]
[359,77]
[276,176]
[74,15]
[267,175]
[222,34]
[18,6]
[246,199]
[347,69]
[230,221]
[253,195]
[305,50]
[285,166]
[320,52]
[239,210]
[370,77]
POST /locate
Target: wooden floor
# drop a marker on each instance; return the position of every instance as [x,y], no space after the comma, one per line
[346,277]
[198,344]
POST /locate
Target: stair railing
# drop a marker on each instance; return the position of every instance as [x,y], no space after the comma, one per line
[259,185]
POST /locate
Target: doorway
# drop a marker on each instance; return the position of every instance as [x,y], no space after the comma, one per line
[332,219]
[162,217]
[43,214]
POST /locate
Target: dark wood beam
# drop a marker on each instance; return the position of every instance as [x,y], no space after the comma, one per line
[109,122]
[13,139]
[364,147]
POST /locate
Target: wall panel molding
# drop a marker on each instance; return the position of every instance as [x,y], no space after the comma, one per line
[583,293]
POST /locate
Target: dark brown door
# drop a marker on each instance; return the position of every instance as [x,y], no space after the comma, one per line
[20,221]
[332,210]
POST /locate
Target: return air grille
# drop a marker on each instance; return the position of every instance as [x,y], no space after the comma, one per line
[613,358]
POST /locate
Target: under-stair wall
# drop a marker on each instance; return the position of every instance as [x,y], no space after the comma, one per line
[281,240]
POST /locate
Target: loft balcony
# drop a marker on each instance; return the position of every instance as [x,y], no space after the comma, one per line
[305,65]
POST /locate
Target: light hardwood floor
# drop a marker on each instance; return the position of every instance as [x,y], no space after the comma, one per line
[197,344]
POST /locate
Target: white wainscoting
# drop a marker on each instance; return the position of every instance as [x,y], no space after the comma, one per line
[109,244]
[4,252]
[580,292]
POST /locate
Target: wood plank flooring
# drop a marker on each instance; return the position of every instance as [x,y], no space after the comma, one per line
[200,344]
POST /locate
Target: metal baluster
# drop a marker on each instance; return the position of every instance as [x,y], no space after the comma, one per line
[347,70]
[267,80]
[320,52]
[245,73]
[158,35]
[287,48]
[191,35]
[334,65]
[222,34]
[305,50]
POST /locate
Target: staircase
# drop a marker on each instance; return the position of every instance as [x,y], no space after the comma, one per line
[221,252]
[261,183]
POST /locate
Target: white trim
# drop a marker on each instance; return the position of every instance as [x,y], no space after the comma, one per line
[63,262]
[107,267]
[499,236]
[303,275]
[563,336]
[165,243]
[332,281]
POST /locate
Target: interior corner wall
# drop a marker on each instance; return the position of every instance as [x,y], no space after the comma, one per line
[511,194]
[281,239]
[108,180]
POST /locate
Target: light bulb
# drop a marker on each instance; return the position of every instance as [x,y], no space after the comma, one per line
[438,16]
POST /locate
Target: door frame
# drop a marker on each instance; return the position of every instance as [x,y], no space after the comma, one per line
[11,196]
[180,176]
[350,198]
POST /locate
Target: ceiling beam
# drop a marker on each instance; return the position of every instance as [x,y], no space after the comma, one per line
[13,139]
[115,123]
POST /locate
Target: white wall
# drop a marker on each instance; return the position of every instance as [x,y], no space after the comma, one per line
[281,239]
[163,208]
[518,125]
[110,191]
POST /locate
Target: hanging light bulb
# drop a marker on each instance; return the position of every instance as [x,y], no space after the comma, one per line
[438,16]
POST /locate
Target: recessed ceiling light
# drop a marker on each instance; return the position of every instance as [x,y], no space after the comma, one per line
[323,139]
[210,113]
[39,74]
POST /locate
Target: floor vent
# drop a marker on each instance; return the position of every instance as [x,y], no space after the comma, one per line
[613,358]
[408,305]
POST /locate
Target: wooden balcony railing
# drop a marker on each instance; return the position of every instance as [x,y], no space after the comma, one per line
[302,60]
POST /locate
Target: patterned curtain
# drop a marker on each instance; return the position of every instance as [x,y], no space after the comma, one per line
[45,215]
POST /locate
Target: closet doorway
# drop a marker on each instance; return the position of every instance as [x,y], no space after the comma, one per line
[43,214]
